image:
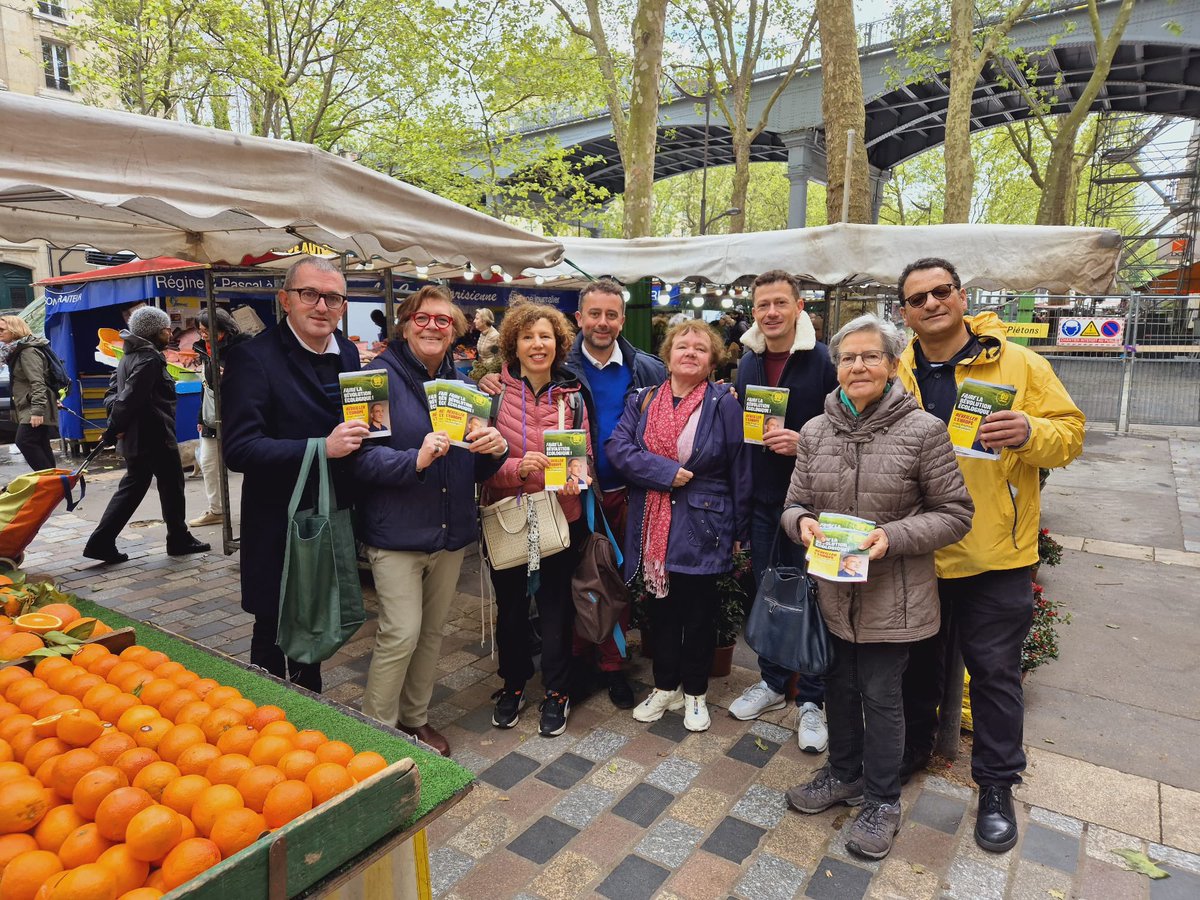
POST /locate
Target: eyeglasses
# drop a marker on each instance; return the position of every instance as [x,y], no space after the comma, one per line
[310,296]
[422,320]
[870,359]
[941,293]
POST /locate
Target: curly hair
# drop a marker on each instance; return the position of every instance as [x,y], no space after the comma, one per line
[413,302]
[700,327]
[518,318]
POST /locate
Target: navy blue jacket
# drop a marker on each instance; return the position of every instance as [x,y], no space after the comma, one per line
[708,513]
[646,370]
[398,508]
[272,403]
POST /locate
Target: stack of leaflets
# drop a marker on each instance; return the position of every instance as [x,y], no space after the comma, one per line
[764,412]
[457,408]
[976,401]
[365,399]
[568,459]
[837,556]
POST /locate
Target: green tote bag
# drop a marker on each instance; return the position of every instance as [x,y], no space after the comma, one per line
[320,599]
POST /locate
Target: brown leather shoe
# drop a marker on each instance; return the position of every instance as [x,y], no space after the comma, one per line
[429,735]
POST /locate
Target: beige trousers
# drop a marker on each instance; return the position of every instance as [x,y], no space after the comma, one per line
[415,591]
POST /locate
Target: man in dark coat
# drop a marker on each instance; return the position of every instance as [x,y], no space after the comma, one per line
[279,390]
[141,419]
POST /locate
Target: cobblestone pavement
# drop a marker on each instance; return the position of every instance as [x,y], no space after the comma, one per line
[621,810]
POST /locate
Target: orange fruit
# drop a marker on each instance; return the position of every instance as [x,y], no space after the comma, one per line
[135,717]
[238,739]
[35,700]
[127,870]
[64,612]
[38,623]
[156,881]
[296,764]
[11,675]
[220,695]
[40,752]
[176,701]
[195,760]
[123,669]
[155,777]
[192,713]
[151,733]
[110,745]
[23,740]
[335,752]
[47,725]
[142,893]
[201,686]
[153,659]
[96,696]
[267,751]
[228,768]
[19,689]
[104,665]
[18,645]
[27,872]
[56,825]
[13,845]
[78,728]
[72,766]
[286,801]
[211,803]
[156,691]
[10,771]
[184,678]
[83,845]
[133,761]
[240,705]
[236,829]
[134,682]
[187,860]
[45,774]
[169,668]
[153,832]
[8,709]
[219,721]
[365,764]
[115,811]
[265,715]
[113,709]
[90,881]
[79,686]
[327,780]
[6,751]
[255,784]
[89,653]
[13,725]
[48,664]
[178,739]
[189,829]
[60,704]
[181,793]
[60,679]
[280,728]
[134,651]
[94,787]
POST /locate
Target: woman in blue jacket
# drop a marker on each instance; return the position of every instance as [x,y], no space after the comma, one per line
[679,446]
[417,515]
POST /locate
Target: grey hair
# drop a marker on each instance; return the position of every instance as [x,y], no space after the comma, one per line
[316,263]
[893,338]
[486,314]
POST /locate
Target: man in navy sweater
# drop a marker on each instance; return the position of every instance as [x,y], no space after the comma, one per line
[782,351]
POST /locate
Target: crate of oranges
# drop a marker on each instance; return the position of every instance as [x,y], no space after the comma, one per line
[126,776]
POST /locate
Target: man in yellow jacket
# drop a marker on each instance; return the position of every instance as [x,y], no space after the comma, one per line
[984,580]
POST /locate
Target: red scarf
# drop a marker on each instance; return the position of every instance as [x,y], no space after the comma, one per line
[664,423]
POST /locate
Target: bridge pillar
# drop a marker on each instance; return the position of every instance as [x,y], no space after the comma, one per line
[805,160]
[879,179]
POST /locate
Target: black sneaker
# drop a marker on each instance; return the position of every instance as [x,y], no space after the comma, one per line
[619,691]
[555,709]
[509,703]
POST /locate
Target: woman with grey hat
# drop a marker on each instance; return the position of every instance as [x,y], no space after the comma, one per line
[141,420]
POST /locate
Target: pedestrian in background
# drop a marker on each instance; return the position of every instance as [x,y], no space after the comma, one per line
[35,405]
[209,451]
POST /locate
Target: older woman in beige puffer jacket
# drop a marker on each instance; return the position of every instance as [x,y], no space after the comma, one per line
[877,455]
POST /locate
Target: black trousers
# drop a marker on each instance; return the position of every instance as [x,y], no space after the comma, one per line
[865,717]
[34,444]
[684,629]
[161,466]
[556,616]
[990,615]
[264,652]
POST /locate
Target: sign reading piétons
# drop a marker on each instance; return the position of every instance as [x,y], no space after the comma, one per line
[1027,329]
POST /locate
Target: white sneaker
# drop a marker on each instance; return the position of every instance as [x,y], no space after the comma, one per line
[757,699]
[811,733]
[207,518]
[652,708]
[695,713]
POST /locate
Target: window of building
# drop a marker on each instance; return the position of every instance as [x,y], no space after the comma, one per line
[52,8]
[57,65]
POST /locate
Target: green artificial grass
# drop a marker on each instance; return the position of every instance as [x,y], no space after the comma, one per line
[441,778]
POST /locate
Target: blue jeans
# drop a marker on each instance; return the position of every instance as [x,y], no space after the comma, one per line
[764,520]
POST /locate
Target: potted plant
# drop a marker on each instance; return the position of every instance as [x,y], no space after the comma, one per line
[1049,552]
[1041,644]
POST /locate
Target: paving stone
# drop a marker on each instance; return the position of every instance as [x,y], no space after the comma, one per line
[1182,885]
[462,678]
[1098,880]
[440,691]
[923,845]
[579,807]
[899,879]
[483,834]
[617,774]
[703,747]
[1035,882]
[673,774]
[545,749]
[477,720]
[761,806]
[770,732]
[643,804]
[634,879]
[470,760]
[701,807]
[1101,841]
[669,842]
[541,840]
[1050,848]
[734,839]
[508,771]
[970,879]
[750,749]
[799,839]
[565,877]
[771,878]
[599,744]
[703,877]
[949,788]
[834,879]
[1180,818]
[1189,862]
[447,867]
[670,726]
[476,800]
[565,771]
[938,811]
[1055,820]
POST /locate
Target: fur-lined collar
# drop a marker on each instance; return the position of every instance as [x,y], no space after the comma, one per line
[806,336]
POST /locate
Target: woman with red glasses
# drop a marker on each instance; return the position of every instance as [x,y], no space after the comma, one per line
[417,514]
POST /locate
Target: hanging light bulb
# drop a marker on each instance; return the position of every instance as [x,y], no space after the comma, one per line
[726,303]
[507,278]
[666,286]
[697,302]
[468,273]
[539,280]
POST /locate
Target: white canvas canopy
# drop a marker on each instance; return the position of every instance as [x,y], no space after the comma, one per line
[80,176]
[995,257]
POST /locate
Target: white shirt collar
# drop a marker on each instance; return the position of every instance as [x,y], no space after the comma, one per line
[617,358]
[331,347]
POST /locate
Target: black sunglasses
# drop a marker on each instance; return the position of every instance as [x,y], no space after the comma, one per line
[941,293]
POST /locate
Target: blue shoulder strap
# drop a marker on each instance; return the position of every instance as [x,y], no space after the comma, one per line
[591,520]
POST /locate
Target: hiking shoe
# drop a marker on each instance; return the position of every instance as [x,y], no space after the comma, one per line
[555,709]
[695,712]
[208,517]
[811,733]
[872,832]
[756,700]
[824,791]
[619,691]
[509,703]
[996,825]
[652,708]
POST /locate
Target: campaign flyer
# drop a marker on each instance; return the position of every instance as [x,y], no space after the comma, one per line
[568,459]
[365,399]
[764,412]
[837,557]
[976,401]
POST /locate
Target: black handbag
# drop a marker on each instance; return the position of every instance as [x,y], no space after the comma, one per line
[785,624]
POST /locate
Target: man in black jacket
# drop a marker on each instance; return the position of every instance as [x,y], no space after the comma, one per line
[782,351]
[141,418]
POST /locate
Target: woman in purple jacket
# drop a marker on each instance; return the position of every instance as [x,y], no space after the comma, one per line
[679,446]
